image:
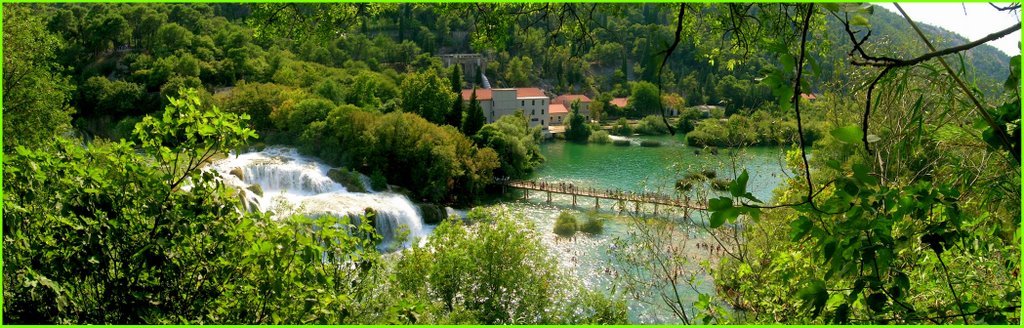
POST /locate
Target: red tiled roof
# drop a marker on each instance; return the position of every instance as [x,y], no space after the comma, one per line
[568,99]
[481,94]
[621,102]
[557,108]
[528,92]
[808,96]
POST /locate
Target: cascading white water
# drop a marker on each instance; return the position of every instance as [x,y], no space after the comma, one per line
[295,184]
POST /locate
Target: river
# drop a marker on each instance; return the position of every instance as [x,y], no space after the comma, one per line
[292,183]
[637,169]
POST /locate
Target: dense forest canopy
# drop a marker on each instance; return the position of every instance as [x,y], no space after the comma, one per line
[907,212]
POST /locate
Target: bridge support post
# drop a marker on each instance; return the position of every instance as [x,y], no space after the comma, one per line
[597,203]
[574,199]
[655,209]
[637,207]
[526,193]
[549,197]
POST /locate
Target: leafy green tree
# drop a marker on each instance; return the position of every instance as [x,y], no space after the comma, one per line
[454,116]
[516,144]
[578,130]
[496,272]
[456,78]
[475,118]
[644,99]
[133,245]
[428,95]
[36,91]
[171,37]
[100,95]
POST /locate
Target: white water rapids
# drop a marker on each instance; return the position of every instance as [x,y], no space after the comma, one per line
[295,184]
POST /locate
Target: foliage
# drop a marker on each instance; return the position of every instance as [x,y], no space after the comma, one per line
[436,162]
[497,273]
[475,118]
[577,130]
[593,225]
[36,91]
[651,125]
[599,137]
[427,94]
[643,99]
[516,144]
[565,224]
[622,127]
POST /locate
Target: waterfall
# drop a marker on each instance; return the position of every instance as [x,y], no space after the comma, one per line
[294,184]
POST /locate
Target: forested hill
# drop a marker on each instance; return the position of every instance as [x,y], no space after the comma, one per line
[123,59]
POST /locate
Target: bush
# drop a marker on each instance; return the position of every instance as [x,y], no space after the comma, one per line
[650,143]
[599,137]
[349,179]
[720,184]
[622,128]
[377,181]
[593,226]
[565,225]
[651,125]
[622,143]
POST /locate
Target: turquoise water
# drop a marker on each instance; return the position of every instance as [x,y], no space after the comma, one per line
[637,169]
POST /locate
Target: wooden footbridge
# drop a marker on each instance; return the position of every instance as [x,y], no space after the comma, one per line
[619,196]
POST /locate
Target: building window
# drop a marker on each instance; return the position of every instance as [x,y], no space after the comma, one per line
[522,103]
[542,102]
[533,112]
[542,112]
[541,122]
[533,103]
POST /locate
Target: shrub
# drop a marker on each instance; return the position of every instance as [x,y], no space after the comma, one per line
[622,128]
[650,143]
[600,137]
[565,225]
[377,181]
[623,143]
[593,226]
[349,179]
[720,184]
[651,125]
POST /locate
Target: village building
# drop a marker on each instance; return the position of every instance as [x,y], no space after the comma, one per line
[500,102]
[558,113]
[567,100]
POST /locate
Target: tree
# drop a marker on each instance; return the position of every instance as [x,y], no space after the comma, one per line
[427,94]
[578,130]
[36,91]
[643,99]
[516,144]
[456,78]
[475,118]
[454,116]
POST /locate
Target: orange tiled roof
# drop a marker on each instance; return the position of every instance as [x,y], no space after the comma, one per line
[621,102]
[557,108]
[529,92]
[481,94]
[568,99]
[808,96]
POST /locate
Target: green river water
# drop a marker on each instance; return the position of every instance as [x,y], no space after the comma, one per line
[636,169]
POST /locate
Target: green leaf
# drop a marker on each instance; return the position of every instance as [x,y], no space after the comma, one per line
[829,250]
[719,217]
[876,302]
[719,204]
[860,20]
[799,228]
[848,134]
[814,295]
[738,187]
